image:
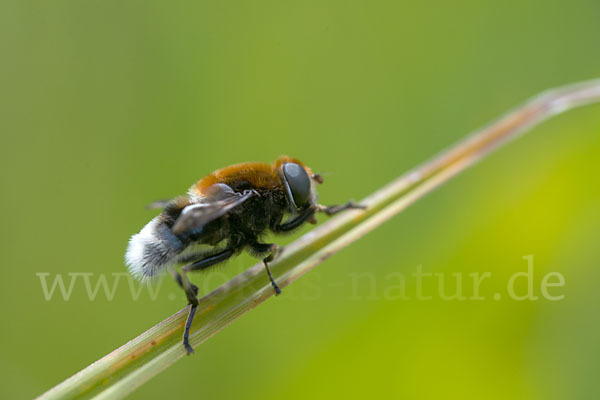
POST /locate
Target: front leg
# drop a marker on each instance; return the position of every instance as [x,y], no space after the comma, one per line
[332,210]
[306,215]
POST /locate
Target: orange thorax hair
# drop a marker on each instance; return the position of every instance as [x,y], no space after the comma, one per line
[258,174]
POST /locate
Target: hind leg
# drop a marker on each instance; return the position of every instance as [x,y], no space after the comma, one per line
[191,290]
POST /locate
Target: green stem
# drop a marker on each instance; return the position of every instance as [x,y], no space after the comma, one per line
[133,364]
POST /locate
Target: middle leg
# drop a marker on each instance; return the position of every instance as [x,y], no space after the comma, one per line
[262,248]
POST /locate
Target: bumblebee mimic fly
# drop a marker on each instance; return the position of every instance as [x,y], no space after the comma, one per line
[224,213]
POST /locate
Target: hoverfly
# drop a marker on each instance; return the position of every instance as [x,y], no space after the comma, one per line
[226,212]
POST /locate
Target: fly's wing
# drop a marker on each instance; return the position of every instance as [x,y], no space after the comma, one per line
[158,204]
[220,199]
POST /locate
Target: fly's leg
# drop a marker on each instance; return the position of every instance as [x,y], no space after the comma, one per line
[331,210]
[191,290]
[268,259]
[305,216]
[177,277]
[273,249]
[308,215]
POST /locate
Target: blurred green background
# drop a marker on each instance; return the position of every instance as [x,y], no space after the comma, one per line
[108,105]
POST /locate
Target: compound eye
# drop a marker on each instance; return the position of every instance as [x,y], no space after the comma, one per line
[298,182]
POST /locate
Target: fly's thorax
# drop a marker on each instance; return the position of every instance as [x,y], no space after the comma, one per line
[258,213]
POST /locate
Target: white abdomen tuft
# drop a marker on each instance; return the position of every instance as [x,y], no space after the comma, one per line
[148,254]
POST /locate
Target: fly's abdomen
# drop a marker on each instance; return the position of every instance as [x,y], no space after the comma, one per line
[152,250]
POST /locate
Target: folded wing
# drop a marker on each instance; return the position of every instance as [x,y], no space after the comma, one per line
[219,200]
